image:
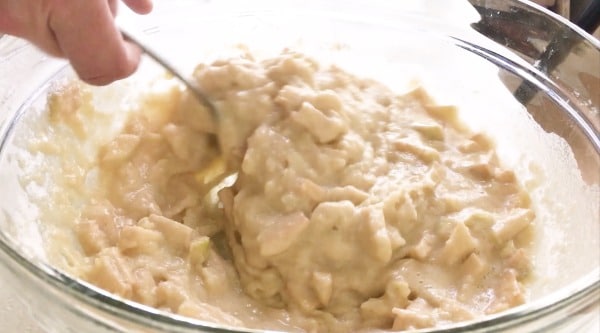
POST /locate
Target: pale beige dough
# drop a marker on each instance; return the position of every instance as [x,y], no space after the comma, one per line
[353,207]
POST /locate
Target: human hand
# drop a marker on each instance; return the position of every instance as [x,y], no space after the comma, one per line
[82,31]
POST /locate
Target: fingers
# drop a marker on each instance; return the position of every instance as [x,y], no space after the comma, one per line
[114,6]
[86,34]
[82,31]
[139,6]
[28,19]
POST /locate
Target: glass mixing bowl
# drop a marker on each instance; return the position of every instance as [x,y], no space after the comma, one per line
[505,63]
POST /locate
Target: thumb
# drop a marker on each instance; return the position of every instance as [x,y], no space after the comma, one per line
[87,35]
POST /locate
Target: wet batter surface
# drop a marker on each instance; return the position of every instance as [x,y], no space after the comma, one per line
[347,207]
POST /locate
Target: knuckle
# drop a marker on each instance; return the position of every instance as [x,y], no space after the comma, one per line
[115,70]
[124,67]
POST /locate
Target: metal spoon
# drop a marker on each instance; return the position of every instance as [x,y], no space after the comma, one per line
[189,84]
[216,170]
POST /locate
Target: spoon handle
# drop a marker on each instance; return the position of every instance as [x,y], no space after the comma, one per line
[190,85]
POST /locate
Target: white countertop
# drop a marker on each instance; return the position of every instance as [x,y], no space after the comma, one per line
[14,315]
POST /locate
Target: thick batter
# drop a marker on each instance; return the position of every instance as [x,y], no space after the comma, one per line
[349,206]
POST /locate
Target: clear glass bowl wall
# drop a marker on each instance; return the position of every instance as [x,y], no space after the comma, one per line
[462,40]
